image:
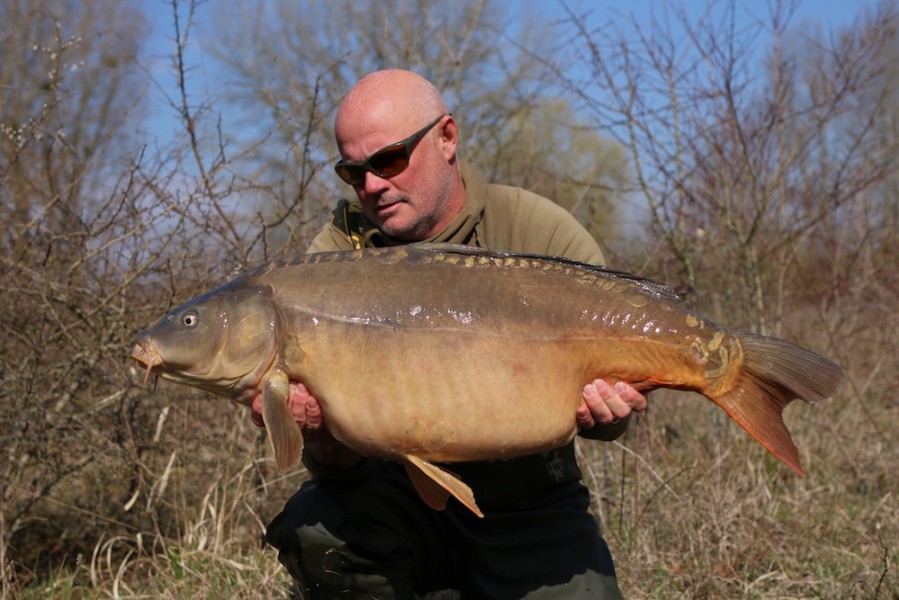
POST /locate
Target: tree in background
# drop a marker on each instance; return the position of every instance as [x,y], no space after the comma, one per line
[742,174]
[68,89]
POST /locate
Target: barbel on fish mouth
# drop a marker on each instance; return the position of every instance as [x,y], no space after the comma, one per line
[434,353]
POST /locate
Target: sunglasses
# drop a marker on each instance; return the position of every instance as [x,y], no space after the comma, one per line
[388,161]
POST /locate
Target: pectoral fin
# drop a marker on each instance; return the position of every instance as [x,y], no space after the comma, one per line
[283,431]
[435,485]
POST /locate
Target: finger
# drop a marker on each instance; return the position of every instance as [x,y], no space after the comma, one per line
[313,412]
[631,396]
[256,411]
[304,406]
[296,402]
[619,406]
[585,418]
[596,397]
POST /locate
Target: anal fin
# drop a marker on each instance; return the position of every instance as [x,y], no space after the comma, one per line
[435,485]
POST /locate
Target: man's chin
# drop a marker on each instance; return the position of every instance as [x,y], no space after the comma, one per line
[396,226]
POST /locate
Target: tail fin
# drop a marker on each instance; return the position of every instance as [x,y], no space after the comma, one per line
[776,372]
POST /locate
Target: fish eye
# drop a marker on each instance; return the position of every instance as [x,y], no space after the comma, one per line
[190,318]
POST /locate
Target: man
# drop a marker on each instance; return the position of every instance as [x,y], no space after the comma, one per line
[358,529]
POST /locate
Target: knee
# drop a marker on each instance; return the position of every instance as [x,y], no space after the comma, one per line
[334,538]
[308,547]
[325,565]
[314,557]
[301,520]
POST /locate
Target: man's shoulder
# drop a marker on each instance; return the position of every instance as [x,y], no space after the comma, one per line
[520,220]
[516,198]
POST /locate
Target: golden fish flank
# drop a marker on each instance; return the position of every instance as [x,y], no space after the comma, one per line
[466,334]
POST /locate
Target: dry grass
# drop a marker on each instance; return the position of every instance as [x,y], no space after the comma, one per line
[693,508]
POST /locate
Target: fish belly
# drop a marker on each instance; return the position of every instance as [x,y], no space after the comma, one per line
[448,397]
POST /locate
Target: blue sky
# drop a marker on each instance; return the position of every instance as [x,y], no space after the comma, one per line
[830,14]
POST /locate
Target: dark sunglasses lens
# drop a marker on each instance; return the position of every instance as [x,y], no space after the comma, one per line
[390,161]
[353,175]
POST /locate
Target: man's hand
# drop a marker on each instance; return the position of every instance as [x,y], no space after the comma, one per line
[319,443]
[303,406]
[606,405]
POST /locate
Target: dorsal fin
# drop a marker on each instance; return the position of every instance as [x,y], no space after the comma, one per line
[650,287]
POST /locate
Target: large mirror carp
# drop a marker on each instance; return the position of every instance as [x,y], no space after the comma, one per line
[434,353]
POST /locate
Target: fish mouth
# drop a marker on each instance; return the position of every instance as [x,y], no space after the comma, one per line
[146,356]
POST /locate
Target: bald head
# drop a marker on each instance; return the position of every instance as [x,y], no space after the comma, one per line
[392,97]
[383,108]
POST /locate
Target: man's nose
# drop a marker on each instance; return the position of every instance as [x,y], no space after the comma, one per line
[374,184]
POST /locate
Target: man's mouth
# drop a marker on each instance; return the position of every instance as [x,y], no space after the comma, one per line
[387,206]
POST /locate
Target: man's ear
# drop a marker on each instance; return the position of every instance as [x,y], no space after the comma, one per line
[449,138]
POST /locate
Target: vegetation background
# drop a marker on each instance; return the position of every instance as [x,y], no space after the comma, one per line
[748,158]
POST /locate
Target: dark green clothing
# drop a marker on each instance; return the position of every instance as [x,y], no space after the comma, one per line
[367,530]
[373,537]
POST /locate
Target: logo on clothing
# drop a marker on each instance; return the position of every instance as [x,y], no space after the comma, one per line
[555,466]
